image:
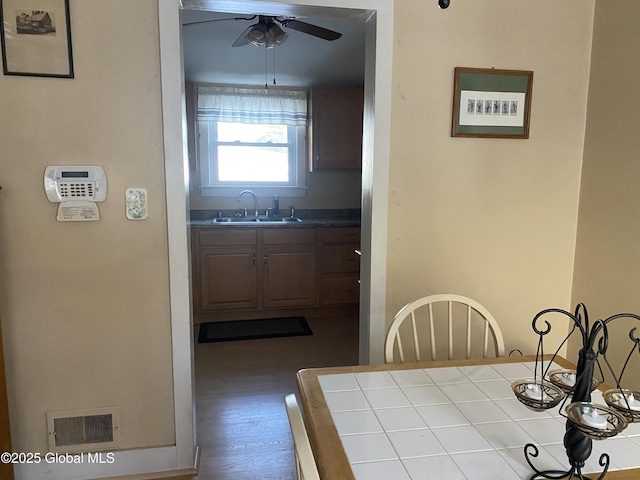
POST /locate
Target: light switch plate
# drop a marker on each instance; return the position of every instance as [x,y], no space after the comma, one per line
[136,203]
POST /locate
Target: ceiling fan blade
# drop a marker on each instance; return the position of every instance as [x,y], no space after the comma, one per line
[217,20]
[242,39]
[309,29]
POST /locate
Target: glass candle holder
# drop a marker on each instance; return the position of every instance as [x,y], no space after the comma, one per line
[537,396]
[626,402]
[594,421]
[565,379]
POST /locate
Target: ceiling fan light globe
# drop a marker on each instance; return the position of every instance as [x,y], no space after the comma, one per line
[257,35]
[276,34]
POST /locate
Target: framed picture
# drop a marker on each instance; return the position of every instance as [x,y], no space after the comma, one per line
[491,103]
[36,38]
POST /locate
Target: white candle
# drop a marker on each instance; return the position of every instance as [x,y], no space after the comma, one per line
[594,420]
[633,404]
[568,378]
[534,391]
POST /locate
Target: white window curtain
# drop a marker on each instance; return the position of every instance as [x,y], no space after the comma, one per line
[248,105]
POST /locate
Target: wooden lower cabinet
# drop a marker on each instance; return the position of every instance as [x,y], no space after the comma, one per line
[340,269]
[340,290]
[266,271]
[225,273]
[289,268]
[289,276]
[228,278]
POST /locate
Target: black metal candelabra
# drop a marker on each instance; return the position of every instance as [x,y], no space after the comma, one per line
[586,421]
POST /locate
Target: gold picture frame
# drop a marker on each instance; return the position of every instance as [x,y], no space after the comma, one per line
[491,103]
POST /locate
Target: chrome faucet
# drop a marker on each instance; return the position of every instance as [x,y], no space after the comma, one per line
[255,200]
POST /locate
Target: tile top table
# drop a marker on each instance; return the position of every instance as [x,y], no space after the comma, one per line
[456,420]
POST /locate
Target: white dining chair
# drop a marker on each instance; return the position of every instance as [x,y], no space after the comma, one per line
[305,462]
[435,323]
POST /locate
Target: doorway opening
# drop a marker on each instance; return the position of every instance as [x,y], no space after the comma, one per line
[241,384]
[242,426]
[375,177]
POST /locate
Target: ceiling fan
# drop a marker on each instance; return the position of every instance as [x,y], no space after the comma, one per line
[268,30]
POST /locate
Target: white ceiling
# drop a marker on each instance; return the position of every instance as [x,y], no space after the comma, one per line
[302,61]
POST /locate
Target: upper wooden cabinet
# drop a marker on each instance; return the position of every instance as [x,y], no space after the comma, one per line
[336,129]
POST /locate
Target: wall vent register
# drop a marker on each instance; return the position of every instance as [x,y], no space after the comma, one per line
[76,431]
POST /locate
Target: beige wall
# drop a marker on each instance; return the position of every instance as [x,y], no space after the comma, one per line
[84,306]
[492,219]
[607,276]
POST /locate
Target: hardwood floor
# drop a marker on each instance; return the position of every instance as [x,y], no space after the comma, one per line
[241,421]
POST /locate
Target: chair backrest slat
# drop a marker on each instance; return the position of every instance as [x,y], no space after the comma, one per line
[400,349]
[450,324]
[432,335]
[469,333]
[414,329]
[485,340]
[474,313]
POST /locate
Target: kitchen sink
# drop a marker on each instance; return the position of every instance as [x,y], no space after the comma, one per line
[254,220]
[234,220]
[281,220]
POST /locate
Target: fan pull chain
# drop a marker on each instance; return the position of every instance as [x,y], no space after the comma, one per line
[274,66]
[266,73]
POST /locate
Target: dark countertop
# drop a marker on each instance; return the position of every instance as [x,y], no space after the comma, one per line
[310,218]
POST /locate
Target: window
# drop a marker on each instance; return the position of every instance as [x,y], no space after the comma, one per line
[248,142]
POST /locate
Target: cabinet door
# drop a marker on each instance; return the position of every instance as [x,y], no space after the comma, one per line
[289,276]
[228,278]
[337,129]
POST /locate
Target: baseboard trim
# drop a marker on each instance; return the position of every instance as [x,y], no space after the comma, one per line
[185,474]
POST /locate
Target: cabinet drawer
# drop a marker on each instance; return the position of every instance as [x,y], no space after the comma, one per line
[288,236]
[341,235]
[227,236]
[339,290]
[340,259]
